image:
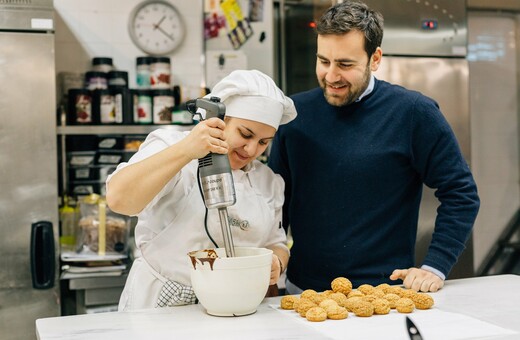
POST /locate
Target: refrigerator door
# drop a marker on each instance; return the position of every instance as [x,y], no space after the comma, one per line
[446,80]
[28,182]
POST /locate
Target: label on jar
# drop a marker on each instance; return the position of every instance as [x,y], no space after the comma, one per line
[160,75]
[143,76]
[83,107]
[107,109]
[162,106]
[118,108]
[97,83]
[142,109]
[182,117]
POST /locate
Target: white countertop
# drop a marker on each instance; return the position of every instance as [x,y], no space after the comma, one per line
[488,306]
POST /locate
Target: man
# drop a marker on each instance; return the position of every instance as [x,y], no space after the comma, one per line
[354,163]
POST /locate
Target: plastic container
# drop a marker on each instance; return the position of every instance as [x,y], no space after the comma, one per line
[102,64]
[100,230]
[160,72]
[81,158]
[163,104]
[111,142]
[109,157]
[143,72]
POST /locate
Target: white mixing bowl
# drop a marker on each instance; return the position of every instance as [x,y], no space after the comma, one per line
[231,286]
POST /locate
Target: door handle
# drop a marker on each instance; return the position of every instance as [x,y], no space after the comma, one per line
[43,264]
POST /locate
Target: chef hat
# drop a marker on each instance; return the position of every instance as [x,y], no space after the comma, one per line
[253,95]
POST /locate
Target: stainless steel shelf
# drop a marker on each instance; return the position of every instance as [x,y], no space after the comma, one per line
[116,129]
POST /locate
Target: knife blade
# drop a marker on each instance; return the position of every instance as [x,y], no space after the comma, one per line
[413,331]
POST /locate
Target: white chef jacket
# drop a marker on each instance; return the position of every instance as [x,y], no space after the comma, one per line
[172,224]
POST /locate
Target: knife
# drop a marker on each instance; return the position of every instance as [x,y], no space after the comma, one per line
[413,331]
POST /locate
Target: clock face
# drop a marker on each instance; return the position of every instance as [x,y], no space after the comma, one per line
[156,27]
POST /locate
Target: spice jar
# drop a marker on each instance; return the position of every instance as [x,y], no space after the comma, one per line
[143,72]
[102,64]
[163,103]
[117,79]
[104,105]
[79,109]
[142,106]
[160,72]
[95,80]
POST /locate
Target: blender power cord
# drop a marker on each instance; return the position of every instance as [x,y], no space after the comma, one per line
[206,213]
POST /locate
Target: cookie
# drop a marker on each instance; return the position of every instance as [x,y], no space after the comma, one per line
[340,298]
[325,304]
[383,287]
[422,301]
[316,314]
[366,289]
[337,312]
[381,306]
[395,290]
[404,305]
[341,285]
[355,293]
[304,305]
[408,293]
[350,302]
[287,301]
[362,308]
[308,294]
[392,299]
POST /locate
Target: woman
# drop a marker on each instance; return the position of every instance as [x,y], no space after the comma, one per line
[159,184]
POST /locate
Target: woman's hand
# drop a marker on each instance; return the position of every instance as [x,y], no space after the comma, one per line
[207,136]
[276,270]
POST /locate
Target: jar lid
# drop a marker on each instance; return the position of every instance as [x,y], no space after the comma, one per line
[117,74]
[95,74]
[160,60]
[101,61]
[143,60]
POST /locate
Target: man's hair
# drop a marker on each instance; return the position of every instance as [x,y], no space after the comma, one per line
[353,15]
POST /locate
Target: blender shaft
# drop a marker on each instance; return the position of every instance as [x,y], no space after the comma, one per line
[226,232]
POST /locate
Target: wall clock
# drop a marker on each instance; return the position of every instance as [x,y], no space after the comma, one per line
[156,27]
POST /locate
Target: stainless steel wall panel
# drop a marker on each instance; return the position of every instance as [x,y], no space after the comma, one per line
[28,176]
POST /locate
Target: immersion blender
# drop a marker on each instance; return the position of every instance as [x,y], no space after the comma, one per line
[215,174]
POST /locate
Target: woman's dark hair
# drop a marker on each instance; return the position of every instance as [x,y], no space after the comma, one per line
[353,15]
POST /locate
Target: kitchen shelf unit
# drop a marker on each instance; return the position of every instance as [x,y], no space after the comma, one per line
[71,130]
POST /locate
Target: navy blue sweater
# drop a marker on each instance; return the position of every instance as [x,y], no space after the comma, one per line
[354,179]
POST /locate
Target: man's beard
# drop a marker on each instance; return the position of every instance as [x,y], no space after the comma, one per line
[351,96]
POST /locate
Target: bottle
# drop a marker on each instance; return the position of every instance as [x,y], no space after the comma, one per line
[68,226]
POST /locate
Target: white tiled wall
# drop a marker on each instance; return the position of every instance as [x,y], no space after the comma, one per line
[493,61]
[98,28]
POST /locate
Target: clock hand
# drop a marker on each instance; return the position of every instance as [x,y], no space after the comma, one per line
[156,26]
[165,33]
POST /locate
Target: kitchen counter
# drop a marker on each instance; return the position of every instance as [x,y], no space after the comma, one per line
[488,306]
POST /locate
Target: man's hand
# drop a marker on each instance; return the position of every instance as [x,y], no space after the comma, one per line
[418,279]
[276,270]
